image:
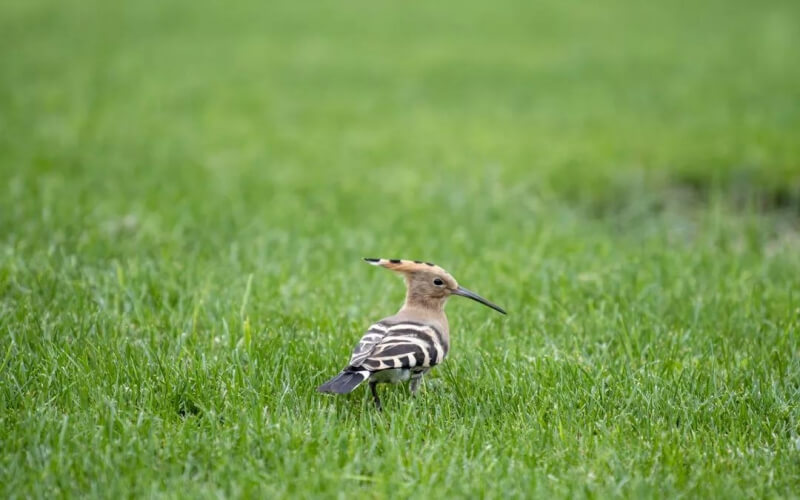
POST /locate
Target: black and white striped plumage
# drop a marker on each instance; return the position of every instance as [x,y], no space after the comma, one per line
[391,352]
[408,344]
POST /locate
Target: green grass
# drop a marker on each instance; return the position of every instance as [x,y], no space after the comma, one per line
[188,189]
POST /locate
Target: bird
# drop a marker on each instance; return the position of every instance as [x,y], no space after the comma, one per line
[408,344]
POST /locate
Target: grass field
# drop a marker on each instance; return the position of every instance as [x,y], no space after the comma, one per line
[188,189]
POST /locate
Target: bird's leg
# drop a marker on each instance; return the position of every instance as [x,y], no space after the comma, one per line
[416,378]
[373,386]
[414,384]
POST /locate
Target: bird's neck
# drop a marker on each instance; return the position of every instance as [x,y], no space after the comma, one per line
[430,311]
[420,303]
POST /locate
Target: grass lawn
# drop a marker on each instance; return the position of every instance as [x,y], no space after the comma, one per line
[188,189]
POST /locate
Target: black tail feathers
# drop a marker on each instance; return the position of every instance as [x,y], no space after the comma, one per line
[345,382]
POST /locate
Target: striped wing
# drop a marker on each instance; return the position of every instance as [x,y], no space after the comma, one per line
[404,345]
[366,345]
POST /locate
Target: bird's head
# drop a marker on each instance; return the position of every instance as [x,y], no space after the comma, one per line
[428,284]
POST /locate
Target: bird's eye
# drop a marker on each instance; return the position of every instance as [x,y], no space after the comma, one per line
[438,282]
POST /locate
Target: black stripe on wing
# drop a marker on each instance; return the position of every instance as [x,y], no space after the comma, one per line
[427,333]
[420,327]
[366,345]
[407,345]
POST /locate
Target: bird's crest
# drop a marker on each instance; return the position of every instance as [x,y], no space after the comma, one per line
[412,266]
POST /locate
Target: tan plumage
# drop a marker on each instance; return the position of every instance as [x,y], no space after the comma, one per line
[407,344]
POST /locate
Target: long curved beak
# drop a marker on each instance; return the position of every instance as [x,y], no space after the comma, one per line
[474,296]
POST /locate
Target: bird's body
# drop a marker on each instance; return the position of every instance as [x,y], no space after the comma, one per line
[408,344]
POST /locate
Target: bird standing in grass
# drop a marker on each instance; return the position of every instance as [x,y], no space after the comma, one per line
[405,346]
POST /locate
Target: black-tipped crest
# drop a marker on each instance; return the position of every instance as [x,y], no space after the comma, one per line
[421,268]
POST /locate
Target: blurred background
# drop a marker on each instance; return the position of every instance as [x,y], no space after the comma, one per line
[366,115]
[310,135]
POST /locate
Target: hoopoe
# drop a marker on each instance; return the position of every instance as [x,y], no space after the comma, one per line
[405,346]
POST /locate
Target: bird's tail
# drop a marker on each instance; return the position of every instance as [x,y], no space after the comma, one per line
[345,382]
